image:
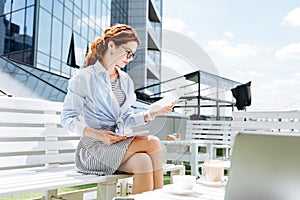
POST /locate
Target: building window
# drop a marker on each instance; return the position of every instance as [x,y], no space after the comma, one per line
[71,61]
[16,30]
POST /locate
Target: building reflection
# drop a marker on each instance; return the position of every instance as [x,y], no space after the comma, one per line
[35,43]
[16,30]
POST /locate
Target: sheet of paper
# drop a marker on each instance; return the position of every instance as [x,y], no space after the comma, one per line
[139,133]
[166,100]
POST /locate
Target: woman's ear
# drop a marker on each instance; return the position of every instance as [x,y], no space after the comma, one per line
[111,45]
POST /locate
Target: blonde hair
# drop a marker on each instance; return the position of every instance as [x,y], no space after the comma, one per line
[119,34]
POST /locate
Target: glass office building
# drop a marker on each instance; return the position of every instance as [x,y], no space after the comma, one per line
[42,42]
[48,40]
[68,27]
[17,30]
[52,35]
[146,17]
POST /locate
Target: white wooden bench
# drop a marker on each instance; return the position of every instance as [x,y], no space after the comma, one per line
[211,135]
[274,121]
[265,121]
[201,142]
[37,154]
[218,133]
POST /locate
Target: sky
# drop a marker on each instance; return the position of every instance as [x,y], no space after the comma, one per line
[257,41]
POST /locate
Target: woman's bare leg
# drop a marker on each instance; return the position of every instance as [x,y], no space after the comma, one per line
[152,146]
[141,165]
[158,179]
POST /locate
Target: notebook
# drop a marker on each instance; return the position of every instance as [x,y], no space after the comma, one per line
[265,167]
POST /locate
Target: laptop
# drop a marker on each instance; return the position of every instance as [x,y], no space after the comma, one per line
[265,166]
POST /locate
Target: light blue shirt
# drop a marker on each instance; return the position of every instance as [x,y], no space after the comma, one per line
[91,102]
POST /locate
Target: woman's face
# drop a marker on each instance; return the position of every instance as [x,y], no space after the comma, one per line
[124,53]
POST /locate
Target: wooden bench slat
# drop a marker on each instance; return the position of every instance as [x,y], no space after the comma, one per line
[183,142]
[210,132]
[10,147]
[267,114]
[266,125]
[33,170]
[29,104]
[23,132]
[44,178]
[218,142]
[201,122]
[29,118]
[217,138]
[204,126]
[213,141]
[67,182]
[35,177]
[29,160]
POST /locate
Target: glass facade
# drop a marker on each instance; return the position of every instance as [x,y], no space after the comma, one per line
[146,17]
[44,41]
[17,30]
[27,82]
[119,11]
[58,20]
[40,35]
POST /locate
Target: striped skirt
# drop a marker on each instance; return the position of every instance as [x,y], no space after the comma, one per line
[96,157]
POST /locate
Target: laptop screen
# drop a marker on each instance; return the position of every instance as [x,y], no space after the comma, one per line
[265,167]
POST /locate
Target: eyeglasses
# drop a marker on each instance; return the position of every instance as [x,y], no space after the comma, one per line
[130,54]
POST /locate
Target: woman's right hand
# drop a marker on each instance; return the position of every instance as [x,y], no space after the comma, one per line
[109,137]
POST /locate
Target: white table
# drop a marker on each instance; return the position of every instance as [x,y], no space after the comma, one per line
[203,193]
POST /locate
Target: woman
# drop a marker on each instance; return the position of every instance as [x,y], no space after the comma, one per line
[98,107]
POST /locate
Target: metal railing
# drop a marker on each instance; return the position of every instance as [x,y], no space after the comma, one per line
[201,90]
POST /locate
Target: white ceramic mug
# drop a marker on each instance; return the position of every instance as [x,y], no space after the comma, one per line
[184,182]
[213,170]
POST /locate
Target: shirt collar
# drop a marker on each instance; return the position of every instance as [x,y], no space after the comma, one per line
[121,73]
[99,68]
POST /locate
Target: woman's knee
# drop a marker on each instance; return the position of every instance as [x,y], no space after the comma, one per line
[143,163]
[154,142]
[139,163]
[146,144]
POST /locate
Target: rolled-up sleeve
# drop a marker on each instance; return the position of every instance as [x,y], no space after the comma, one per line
[71,116]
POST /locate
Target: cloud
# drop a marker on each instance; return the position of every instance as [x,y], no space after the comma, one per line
[229,35]
[279,94]
[292,18]
[226,49]
[174,66]
[290,52]
[250,75]
[174,24]
[191,33]
[177,25]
